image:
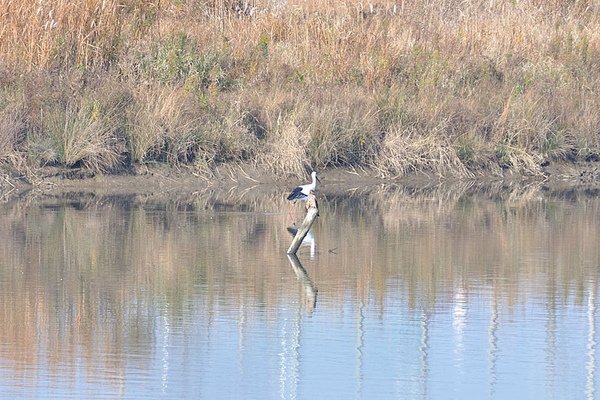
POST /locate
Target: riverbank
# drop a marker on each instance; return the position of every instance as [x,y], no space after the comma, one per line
[164,181]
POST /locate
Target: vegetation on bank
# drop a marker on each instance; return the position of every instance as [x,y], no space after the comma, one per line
[447,86]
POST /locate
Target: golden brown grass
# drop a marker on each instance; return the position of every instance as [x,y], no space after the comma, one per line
[12,135]
[83,137]
[453,86]
[162,126]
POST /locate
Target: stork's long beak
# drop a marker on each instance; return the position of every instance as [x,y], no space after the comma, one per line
[318,179]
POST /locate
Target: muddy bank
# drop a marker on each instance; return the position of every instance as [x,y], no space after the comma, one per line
[163,181]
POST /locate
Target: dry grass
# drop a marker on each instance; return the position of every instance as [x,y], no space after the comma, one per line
[61,33]
[404,150]
[83,137]
[316,130]
[12,135]
[162,126]
[456,86]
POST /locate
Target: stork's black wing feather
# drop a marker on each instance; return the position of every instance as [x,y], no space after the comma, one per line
[296,194]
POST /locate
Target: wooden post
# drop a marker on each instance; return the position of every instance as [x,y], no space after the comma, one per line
[311,215]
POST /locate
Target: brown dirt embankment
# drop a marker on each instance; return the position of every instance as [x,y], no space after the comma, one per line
[165,181]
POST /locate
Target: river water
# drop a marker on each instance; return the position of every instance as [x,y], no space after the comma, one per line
[453,293]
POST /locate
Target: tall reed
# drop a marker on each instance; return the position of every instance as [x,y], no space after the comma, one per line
[456,86]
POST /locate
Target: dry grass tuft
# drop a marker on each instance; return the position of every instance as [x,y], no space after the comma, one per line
[13,133]
[84,136]
[161,125]
[288,146]
[315,130]
[404,150]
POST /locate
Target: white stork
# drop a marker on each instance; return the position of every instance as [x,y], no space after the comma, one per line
[301,192]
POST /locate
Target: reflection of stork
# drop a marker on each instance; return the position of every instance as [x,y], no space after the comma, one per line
[309,239]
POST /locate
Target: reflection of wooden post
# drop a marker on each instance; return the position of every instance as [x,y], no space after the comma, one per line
[309,288]
[311,215]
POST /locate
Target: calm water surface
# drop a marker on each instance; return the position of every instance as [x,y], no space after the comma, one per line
[435,294]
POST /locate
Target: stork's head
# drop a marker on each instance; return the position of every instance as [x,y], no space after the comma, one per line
[314,176]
